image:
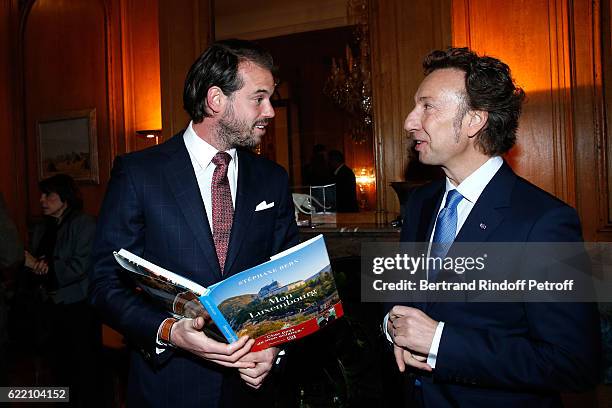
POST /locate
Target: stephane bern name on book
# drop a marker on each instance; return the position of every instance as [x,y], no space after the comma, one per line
[268,272]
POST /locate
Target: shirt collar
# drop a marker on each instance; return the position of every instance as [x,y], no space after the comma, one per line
[202,151]
[475,183]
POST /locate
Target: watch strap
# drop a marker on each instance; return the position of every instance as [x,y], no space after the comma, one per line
[165,330]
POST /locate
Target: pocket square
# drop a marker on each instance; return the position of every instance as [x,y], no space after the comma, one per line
[264,206]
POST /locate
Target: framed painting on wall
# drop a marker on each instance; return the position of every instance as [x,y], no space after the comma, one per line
[67,144]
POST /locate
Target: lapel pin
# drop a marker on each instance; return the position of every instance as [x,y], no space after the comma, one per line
[483,226]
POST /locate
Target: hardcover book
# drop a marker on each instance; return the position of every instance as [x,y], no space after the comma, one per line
[286,298]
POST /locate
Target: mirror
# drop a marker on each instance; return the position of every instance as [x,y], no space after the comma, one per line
[308,124]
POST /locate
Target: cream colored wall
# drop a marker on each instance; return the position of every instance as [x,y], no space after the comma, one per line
[273,18]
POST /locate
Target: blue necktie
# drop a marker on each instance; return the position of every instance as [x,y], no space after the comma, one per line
[446,229]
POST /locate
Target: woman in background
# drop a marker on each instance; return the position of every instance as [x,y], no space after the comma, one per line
[60,260]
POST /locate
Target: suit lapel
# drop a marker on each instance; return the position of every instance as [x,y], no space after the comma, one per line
[245,205]
[487,214]
[182,181]
[429,215]
[417,227]
[425,223]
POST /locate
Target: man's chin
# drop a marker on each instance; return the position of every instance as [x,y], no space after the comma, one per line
[249,143]
[258,134]
[422,157]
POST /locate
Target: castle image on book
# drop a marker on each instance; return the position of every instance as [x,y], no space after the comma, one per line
[283,299]
[275,307]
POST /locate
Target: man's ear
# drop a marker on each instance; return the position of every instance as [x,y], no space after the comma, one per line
[215,99]
[477,119]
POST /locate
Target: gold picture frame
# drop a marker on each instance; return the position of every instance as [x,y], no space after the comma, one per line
[67,144]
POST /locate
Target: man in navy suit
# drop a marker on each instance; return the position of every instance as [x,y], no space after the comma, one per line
[204,207]
[485,354]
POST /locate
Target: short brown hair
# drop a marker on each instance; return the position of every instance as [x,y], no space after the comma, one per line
[489,87]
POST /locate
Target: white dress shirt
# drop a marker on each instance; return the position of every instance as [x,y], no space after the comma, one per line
[201,154]
[471,188]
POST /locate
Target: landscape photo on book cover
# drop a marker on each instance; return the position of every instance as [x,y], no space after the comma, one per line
[280,294]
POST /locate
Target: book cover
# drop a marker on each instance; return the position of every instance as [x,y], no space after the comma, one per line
[286,298]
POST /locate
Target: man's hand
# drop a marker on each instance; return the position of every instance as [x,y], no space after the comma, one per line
[412,329]
[263,360]
[404,357]
[412,332]
[187,334]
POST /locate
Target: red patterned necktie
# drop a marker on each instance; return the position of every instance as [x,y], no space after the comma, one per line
[222,207]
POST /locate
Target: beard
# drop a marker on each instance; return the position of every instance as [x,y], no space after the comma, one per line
[235,132]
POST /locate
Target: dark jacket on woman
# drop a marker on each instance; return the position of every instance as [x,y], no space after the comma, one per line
[71,255]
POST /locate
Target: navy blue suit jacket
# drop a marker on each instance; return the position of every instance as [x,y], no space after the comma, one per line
[507,354]
[154,209]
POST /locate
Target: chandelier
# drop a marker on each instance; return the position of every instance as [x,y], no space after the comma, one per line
[349,85]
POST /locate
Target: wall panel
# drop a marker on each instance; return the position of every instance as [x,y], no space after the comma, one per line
[185,30]
[65,60]
[140,63]
[531,37]
[11,143]
[591,59]
[556,50]
[401,36]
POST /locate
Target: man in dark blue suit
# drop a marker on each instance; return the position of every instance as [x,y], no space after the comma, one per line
[204,207]
[485,354]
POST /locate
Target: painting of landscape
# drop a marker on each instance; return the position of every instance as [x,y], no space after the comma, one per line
[67,144]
